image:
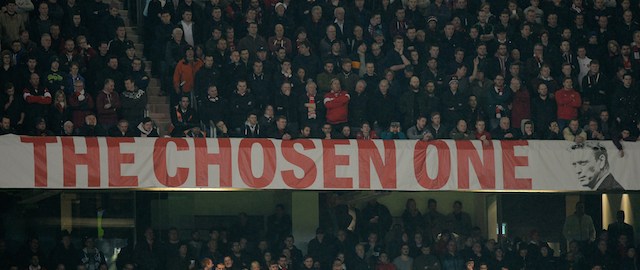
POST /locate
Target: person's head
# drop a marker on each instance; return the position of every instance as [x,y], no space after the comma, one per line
[574,125]
[514,84]
[228,262]
[435,118]
[480,126]
[326,128]
[394,127]
[34,80]
[421,122]
[346,131]
[184,102]
[505,122]
[543,91]
[5,123]
[627,80]
[567,83]
[335,85]
[590,163]
[281,123]
[328,67]
[461,126]
[528,127]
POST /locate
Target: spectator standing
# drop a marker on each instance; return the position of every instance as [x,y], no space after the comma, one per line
[108,105]
[336,103]
[568,101]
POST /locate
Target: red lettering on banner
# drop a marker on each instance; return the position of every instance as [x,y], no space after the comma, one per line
[71,159]
[245,161]
[510,161]
[330,161]
[420,164]
[116,159]
[368,153]
[301,161]
[204,159]
[39,157]
[485,171]
[160,162]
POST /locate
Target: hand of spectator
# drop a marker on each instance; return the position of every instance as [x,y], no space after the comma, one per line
[107,106]
[508,135]
[11,99]
[286,136]
[476,61]
[579,139]
[81,97]
[621,153]
[485,142]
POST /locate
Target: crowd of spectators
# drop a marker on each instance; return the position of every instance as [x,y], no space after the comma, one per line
[348,239]
[366,69]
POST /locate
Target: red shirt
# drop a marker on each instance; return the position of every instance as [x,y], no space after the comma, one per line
[337,105]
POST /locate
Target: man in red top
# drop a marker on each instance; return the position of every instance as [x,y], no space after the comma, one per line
[337,104]
[38,100]
[185,72]
[568,101]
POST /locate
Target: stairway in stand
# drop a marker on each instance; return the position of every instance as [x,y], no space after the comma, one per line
[158,105]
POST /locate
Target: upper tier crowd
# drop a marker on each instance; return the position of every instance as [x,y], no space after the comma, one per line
[365,69]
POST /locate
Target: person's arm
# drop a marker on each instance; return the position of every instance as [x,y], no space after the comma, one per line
[177,75]
[577,102]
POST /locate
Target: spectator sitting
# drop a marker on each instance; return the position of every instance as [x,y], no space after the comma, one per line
[280,131]
[5,126]
[345,133]
[528,131]
[195,132]
[91,127]
[182,118]
[327,132]
[251,127]
[41,128]
[553,132]
[504,131]
[305,132]
[146,128]
[394,132]
[419,130]
[593,131]
[460,131]
[121,130]
[481,133]
[574,133]
[366,133]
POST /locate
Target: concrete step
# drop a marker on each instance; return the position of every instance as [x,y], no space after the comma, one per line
[155,115]
[155,93]
[159,108]
[158,100]
[153,81]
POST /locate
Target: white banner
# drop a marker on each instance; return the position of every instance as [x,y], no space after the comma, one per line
[184,163]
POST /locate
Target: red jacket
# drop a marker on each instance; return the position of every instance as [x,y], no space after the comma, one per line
[186,72]
[569,102]
[337,105]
